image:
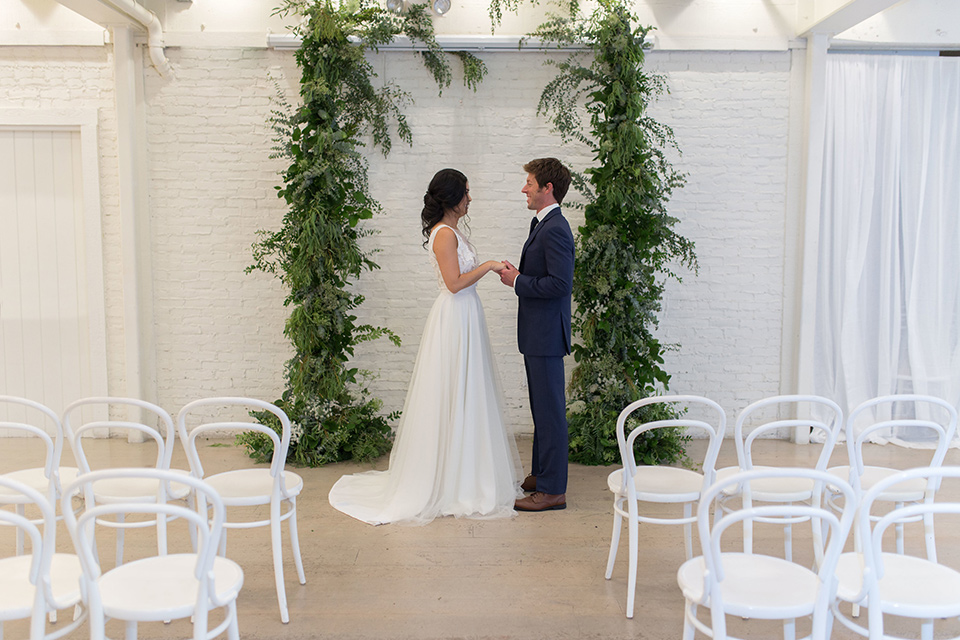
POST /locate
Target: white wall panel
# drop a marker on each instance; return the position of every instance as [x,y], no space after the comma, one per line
[45,319]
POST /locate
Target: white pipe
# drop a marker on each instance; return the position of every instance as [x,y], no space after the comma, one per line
[149,21]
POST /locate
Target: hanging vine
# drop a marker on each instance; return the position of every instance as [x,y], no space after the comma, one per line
[316,252]
[627,246]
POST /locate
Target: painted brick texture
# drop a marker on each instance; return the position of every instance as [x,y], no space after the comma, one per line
[220,331]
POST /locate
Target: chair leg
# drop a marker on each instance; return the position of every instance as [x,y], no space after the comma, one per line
[614,544]
[928,537]
[21,511]
[223,544]
[233,629]
[688,530]
[899,527]
[690,612]
[790,629]
[295,541]
[926,629]
[634,534]
[120,532]
[130,631]
[788,542]
[277,544]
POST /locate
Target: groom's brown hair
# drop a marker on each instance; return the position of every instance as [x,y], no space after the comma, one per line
[550,170]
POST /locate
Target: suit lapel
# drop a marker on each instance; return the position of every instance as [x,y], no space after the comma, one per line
[553,212]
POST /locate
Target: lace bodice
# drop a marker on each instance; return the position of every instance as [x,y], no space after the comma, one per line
[466,255]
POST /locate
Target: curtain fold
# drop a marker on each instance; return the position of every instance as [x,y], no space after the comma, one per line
[888,271]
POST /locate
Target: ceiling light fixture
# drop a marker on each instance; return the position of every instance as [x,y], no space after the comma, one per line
[395,6]
[440,7]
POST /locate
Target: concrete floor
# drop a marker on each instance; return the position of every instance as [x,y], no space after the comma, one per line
[533,576]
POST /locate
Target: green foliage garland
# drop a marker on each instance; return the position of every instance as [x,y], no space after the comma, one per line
[315,253]
[627,246]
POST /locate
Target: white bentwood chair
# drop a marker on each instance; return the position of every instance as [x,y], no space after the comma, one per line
[121,490]
[933,416]
[39,584]
[273,486]
[894,583]
[163,587]
[38,421]
[758,586]
[633,484]
[823,417]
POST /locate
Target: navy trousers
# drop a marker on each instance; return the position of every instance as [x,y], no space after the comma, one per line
[545,383]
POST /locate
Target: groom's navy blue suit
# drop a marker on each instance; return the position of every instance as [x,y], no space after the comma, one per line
[544,288]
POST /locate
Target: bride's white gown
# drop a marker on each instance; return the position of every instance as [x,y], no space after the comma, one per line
[452,454]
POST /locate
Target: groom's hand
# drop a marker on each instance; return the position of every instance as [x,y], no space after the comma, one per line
[509,274]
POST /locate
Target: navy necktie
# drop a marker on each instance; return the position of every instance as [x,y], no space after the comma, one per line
[534,223]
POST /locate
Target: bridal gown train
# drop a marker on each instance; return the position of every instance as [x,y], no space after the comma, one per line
[452,454]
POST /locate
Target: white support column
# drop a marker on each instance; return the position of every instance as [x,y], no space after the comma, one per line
[140,354]
[817,45]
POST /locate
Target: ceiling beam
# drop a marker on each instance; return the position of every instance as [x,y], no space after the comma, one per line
[106,15]
[849,14]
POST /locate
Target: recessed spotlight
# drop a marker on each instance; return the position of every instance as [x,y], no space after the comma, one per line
[440,7]
[395,6]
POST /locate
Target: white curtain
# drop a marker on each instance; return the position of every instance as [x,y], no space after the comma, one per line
[888,274]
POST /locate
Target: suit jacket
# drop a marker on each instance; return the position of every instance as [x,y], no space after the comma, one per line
[544,288]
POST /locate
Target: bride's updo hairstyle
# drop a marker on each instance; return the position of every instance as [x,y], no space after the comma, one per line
[446,191]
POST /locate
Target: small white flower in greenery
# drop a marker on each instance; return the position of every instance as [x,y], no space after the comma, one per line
[577,406]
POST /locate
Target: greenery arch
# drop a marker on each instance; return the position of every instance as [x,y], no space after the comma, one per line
[315,253]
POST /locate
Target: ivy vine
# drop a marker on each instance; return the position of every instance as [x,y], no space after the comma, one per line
[627,246]
[316,252]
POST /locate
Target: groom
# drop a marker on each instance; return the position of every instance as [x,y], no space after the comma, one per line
[543,285]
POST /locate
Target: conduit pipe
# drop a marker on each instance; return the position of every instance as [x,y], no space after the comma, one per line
[149,21]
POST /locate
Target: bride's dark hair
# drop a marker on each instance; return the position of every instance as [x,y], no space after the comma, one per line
[446,191]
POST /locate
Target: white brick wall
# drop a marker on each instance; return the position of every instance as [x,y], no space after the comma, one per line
[219,330]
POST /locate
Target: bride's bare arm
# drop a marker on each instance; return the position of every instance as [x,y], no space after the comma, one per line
[445,247]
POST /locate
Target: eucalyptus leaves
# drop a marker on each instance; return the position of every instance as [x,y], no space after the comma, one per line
[315,253]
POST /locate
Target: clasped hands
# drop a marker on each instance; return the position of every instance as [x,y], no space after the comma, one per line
[507,272]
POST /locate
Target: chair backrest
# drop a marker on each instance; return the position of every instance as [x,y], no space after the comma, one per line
[942,423]
[42,548]
[825,418]
[75,427]
[777,513]
[35,416]
[83,528]
[873,550]
[677,405]
[197,409]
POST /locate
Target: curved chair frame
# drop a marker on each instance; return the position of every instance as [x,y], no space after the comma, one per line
[658,484]
[173,575]
[870,577]
[752,585]
[281,487]
[782,490]
[53,577]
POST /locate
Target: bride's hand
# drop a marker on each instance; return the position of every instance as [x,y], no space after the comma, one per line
[496,266]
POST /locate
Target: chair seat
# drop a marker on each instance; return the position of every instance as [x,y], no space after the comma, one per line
[909,491]
[756,586]
[136,489]
[770,489]
[17,594]
[246,487]
[163,587]
[911,586]
[33,478]
[660,484]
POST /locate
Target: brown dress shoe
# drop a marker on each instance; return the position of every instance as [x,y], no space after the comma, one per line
[529,484]
[538,501]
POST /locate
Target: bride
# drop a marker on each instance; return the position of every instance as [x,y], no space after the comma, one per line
[452,454]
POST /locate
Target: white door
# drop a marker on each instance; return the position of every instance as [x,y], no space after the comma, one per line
[50,348]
